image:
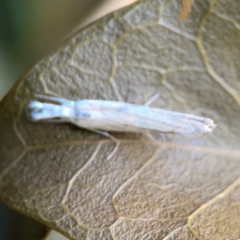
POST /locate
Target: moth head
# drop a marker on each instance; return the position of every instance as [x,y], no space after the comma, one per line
[38,111]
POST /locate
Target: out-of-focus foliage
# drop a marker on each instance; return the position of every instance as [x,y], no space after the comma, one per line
[31,29]
[186,8]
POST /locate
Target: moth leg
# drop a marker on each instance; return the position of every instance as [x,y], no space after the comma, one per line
[149,101]
[152,99]
[55,99]
[106,134]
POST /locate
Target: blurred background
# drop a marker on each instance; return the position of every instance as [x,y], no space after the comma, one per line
[29,30]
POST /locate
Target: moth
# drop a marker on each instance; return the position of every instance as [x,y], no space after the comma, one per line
[101,116]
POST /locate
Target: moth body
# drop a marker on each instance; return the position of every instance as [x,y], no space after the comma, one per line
[118,116]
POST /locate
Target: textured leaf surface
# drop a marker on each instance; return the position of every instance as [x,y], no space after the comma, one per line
[155,186]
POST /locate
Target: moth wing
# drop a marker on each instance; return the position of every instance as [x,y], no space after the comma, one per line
[124,117]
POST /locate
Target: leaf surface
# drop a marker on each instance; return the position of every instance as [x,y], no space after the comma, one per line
[155,186]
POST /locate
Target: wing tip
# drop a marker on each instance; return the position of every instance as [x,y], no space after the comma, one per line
[209,125]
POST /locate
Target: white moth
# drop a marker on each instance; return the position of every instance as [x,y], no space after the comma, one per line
[96,115]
